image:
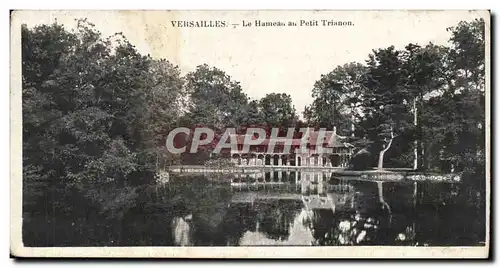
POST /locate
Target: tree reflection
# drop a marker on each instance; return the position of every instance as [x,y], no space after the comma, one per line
[382,200]
[200,212]
[274,219]
[343,229]
[365,220]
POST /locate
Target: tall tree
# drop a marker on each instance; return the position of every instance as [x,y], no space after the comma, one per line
[337,98]
[164,94]
[278,110]
[461,107]
[254,114]
[467,54]
[385,104]
[425,69]
[215,99]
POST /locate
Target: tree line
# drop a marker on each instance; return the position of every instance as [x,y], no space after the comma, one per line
[94,108]
[427,96]
[96,113]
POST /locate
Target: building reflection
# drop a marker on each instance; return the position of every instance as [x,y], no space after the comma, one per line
[182,231]
[304,208]
[290,208]
[312,189]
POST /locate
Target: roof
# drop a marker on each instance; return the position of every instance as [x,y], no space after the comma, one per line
[329,138]
[240,139]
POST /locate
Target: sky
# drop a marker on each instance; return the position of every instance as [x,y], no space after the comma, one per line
[266,59]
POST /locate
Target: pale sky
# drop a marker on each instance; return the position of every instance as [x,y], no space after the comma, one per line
[266,59]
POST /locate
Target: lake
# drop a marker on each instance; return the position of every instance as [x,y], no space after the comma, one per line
[267,209]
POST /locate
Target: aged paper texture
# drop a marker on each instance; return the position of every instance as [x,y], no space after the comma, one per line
[250,134]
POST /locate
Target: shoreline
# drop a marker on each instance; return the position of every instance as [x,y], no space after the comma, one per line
[394,174]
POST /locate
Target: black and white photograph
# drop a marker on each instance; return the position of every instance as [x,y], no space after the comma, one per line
[235,134]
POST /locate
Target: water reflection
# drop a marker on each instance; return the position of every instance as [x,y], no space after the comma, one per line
[309,208]
[182,231]
[287,208]
[292,232]
[273,208]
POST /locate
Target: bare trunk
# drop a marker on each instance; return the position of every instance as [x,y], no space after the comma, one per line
[381,154]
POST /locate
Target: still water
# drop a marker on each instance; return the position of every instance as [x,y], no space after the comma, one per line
[314,208]
[274,208]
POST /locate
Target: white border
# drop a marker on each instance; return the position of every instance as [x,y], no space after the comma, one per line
[87,252]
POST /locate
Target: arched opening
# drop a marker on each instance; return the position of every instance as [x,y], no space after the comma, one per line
[252,160]
[284,160]
[268,160]
[299,160]
[276,160]
[260,159]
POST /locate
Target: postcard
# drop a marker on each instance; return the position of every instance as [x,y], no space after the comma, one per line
[250,134]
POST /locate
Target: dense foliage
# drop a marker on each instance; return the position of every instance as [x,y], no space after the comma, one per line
[444,84]
[93,112]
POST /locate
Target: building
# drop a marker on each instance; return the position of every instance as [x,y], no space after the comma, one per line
[333,152]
